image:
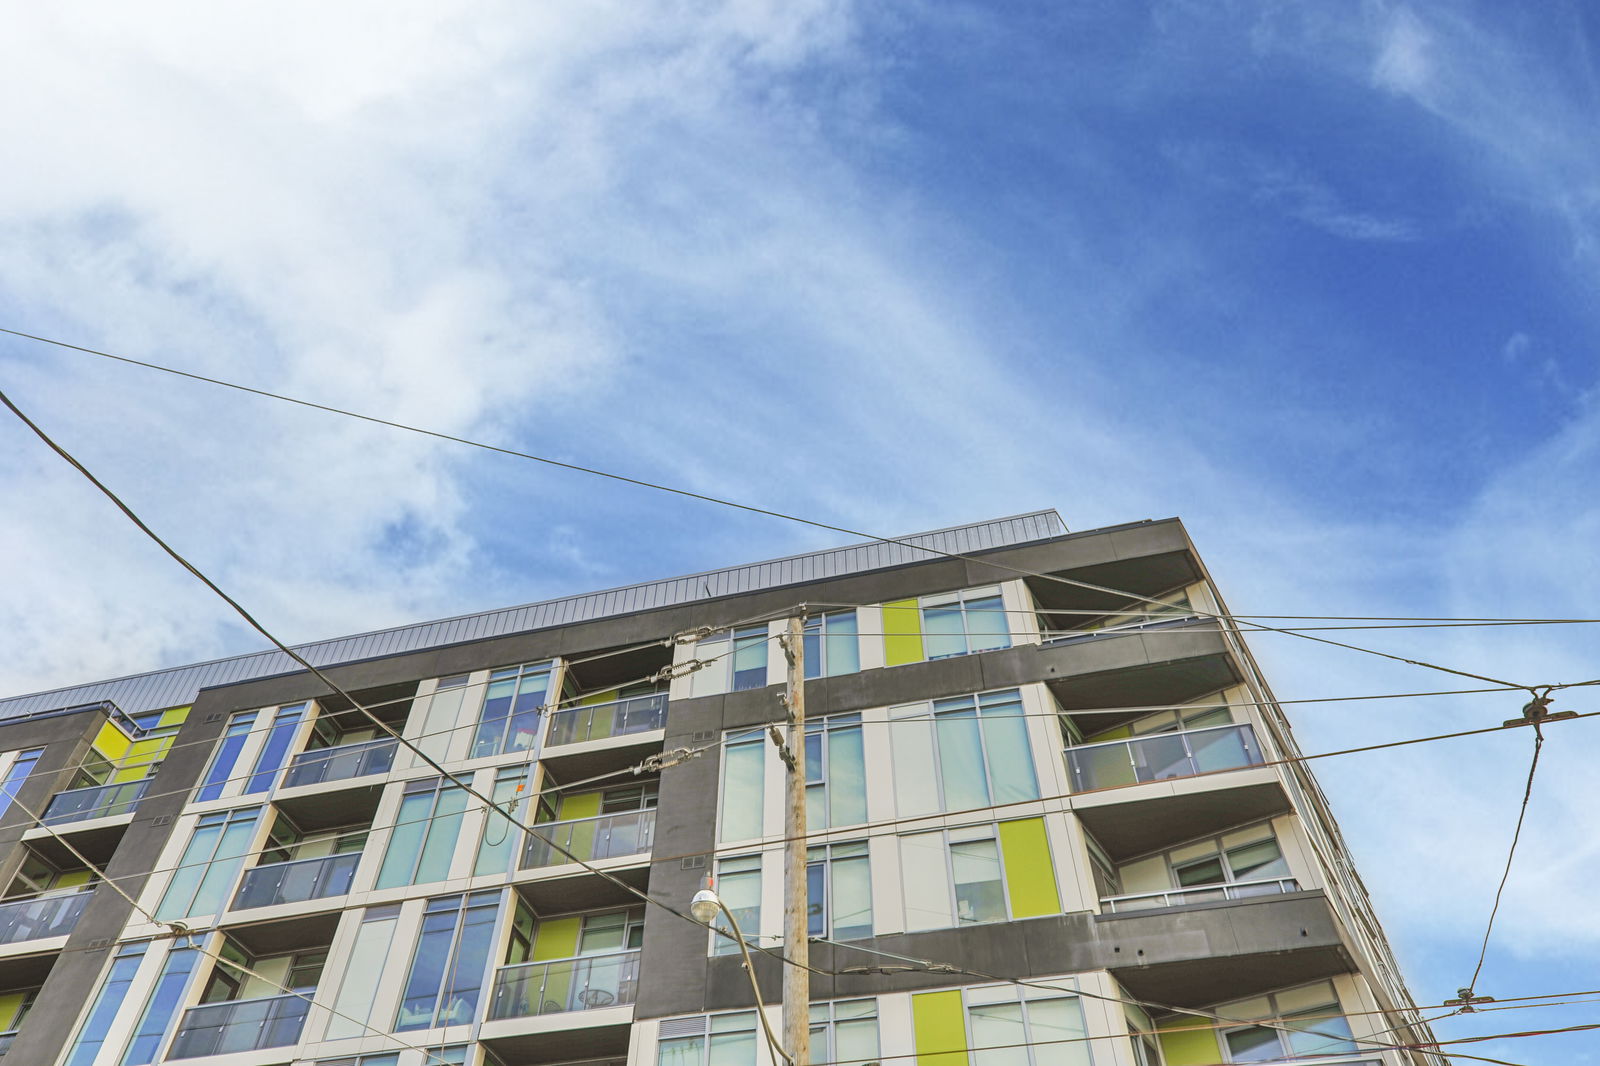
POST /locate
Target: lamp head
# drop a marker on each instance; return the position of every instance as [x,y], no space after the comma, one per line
[704,906]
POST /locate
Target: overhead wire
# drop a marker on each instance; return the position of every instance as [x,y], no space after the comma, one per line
[178,931]
[321,676]
[750,508]
[1522,813]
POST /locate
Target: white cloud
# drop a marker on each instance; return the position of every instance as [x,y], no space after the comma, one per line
[1404,61]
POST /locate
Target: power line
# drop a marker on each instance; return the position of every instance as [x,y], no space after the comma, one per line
[488,803]
[1522,813]
[750,508]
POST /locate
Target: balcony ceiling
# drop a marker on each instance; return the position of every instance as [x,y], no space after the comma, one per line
[1147,575]
[1129,829]
[602,1042]
[287,934]
[584,891]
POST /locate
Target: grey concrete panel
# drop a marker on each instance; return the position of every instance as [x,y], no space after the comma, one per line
[1129,829]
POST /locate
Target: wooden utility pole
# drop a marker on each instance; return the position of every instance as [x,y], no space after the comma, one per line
[796,905]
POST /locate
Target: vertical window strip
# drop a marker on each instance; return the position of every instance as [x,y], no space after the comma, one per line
[275,751]
[836,777]
[844,1031]
[16,774]
[92,1034]
[162,1006]
[423,840]
[446,976]
[496,848]
[739,884]
[356,998]
[832,644]
[226,756]
[839,883]
[743,788]
[209,865]
[513,703]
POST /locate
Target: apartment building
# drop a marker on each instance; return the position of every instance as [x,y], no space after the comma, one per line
[1048,816]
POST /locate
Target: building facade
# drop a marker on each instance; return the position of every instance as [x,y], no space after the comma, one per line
[1050,821]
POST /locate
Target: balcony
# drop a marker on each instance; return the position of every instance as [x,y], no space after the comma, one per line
[1162,756]
[5,1041]
[297,881]
[41,917]
[240,1025]
[1178,897]
[565,985]
[638,714]
[97,801]
[604,837]
[340,763]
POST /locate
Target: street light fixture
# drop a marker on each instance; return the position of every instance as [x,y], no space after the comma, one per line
[704,908]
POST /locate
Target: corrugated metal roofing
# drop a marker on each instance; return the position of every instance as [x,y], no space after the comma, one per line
[180,685]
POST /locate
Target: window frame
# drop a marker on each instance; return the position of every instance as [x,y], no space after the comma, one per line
[483,727]
[827,863]
[441,788]
[749,868]
[926,715]
[960,599]
[952,910]
[824,729]
[445,991]
[818,642]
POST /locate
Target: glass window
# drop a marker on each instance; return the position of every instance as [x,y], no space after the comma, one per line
[961,754]
[720,1040]
[743,793]
[275,751]
[1313,1026]
[447,969]
[210,864]
[839,883]
[1245,855]
[353,1007]
[832,645]
[226,755]
[16,774]
[162,1006]
[1007,1031]
[749,658]
[964,622]
[731,667]
[739,885]
[512,704]
[497,848]
[92,1036]
[844,1031]
[424,837]
[952,878]
[836,772]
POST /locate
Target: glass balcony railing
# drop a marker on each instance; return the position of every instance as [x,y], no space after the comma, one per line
[1177,897]
[638,714]
[565,984]
[41,916]
[5,1041]
[339,763]
[297,881]
[1160,756]
[240,1025]
[604,837]
[96,801]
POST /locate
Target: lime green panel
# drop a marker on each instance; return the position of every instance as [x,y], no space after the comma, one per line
[72,879]
[556,938]
[902,633]
[606,696]
[941,1030]
[1030,875]
[578,805]
[10,1004]
[1120,733]
[1182,1046]
[176,716]
[112,742]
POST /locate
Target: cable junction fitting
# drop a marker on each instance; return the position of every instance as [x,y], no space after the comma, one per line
[677,670]
[1537,711]
[662,760]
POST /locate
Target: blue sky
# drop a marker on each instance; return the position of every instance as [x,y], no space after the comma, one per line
[1316,278]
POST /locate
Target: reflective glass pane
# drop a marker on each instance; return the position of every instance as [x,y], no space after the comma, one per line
[844,646]
[1057,1031]
[965,782]
[1005,737]
[999,1037]
[980,894]
[847,777]
[943,633]
[986,624]
[851,898]
[742,791]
